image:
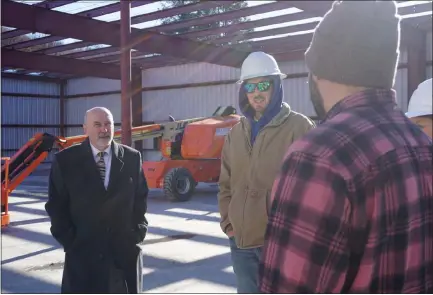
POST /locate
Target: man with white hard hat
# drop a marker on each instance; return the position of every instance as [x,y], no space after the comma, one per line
[251,160]
[420,110]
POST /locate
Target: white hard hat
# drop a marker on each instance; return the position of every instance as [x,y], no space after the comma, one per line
[420,103]
[259,64]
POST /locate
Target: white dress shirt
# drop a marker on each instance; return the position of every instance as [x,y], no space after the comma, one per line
[107,160]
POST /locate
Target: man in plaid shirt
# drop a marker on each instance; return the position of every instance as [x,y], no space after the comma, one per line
[352,209]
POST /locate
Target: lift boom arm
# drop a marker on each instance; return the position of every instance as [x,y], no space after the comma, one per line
[36,150]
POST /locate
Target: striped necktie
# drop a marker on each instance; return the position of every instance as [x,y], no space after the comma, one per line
[101,165]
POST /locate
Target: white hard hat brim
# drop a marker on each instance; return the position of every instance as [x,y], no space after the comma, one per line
[418,114]
[282,76]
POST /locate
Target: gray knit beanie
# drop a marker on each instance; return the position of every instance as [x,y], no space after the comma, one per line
[357,43]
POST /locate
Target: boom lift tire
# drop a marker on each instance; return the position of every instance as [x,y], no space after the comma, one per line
[179,185]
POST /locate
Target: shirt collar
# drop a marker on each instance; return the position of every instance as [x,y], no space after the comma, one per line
[95,151]
[367,97]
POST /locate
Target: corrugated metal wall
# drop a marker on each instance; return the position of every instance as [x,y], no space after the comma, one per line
[429,55]
[200,101]
[429,47]
[27,110]
[75,108]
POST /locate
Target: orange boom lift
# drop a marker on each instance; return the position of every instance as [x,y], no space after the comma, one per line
[191,152]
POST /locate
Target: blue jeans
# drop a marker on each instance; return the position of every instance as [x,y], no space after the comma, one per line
[246,267]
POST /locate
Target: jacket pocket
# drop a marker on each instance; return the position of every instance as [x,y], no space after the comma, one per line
[255,217]
[236,212]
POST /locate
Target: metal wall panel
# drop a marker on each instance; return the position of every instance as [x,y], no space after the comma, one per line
[205,72]
[188,102]
[203,101]
[403,56]
[297,95]
[73,131]
[75,108]
[28,110]
[429,46]
[30,87]
[293,67]
[429,72]
[149,155]
[187,74]
[401,89]
[15,138]
[148,144]
[91,85]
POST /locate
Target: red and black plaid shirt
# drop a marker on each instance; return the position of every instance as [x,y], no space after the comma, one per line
[366,171]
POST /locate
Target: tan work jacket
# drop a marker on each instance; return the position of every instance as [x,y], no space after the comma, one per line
[248,173]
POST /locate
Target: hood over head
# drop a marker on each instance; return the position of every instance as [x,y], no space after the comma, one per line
[273,108]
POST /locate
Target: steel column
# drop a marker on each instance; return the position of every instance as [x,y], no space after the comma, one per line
[416,61]
[137,104]
[62,103]
[125,69]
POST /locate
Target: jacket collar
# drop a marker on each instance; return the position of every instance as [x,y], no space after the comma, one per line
[369,97]
[279,119]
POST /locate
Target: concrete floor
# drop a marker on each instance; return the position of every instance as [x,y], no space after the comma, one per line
[184,251]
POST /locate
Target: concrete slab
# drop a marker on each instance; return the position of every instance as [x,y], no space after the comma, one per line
[184,252]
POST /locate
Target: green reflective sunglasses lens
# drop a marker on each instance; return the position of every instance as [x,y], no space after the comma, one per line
[263,86]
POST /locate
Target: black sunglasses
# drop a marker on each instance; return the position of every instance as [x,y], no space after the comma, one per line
[261,86]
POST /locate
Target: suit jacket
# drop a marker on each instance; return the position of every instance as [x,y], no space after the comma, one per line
[99,229]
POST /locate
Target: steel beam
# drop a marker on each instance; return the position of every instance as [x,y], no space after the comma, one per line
[88,13]
[289,56]
[144,18]
[65,47]
[90,52]
[202,5]
[319,8]
[283,44]
[232,33]
[265,33]
[113,57]
[234,30]
[56,64]
[248,25]
[278,44]
[230,15]
[90,30]
[48,4]
[422,7]
[125,68]
[62,105]
[137,104]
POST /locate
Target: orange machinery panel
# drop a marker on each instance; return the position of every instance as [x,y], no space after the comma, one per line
[204,139]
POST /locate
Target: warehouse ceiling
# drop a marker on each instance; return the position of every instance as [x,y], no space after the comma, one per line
[64,39]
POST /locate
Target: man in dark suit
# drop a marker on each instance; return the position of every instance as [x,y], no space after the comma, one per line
[97,200]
